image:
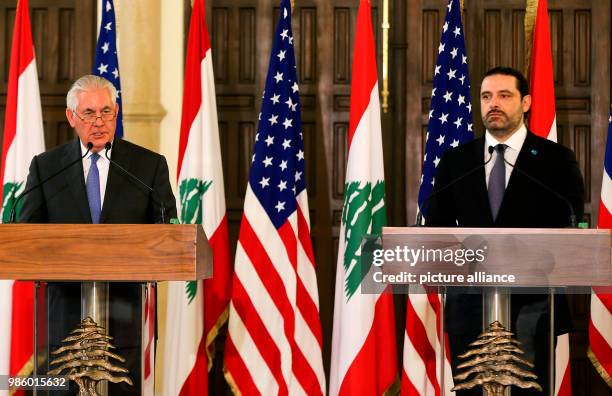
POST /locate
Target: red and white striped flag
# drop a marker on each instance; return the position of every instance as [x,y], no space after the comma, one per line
[274,333]
[543,122]
[148,339]
[424,362]
[23,139]
[600,324]
[196,310]
[363,345]
[422,358]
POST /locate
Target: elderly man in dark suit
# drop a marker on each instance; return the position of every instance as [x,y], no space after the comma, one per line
[95,191]
[498,195]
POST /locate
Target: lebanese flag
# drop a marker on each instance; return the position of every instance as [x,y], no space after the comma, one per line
[363,344]
[543,122]
[542,119]
[196,310]
[23,139]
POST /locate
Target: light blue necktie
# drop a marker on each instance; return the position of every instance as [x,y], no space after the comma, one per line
[93,189]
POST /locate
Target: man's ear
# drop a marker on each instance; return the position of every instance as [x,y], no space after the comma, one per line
[526,103]
[71,117]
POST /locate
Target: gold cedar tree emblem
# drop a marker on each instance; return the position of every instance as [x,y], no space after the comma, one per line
[85,358]
[494,364]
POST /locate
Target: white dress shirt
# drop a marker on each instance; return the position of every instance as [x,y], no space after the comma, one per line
[103,165]
[514,145]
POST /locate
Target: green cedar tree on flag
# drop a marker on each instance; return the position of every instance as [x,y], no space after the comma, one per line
[363,344]
[23,139]
[196,310]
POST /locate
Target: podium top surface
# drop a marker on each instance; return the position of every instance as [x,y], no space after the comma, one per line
[490,231]
[104,252]
[539,257]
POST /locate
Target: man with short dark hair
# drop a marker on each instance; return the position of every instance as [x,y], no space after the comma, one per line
[95,191]
[499,196]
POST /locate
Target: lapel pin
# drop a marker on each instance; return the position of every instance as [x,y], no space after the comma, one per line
[534,151]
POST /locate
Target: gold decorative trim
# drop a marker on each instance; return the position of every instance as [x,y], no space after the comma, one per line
[26,370]
[230,381]
[604,374]
[531,12]
[212,334]
[394,388]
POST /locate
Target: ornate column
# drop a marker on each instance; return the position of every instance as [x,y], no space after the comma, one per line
[140,63]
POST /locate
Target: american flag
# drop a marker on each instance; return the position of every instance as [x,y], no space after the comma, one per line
[107,64]
[450,124]
[450,115]
[274,337]
[600,324]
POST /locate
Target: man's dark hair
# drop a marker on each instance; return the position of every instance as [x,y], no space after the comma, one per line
[521,82]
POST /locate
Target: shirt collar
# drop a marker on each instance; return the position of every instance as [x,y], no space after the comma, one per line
[515,142]
[102,153]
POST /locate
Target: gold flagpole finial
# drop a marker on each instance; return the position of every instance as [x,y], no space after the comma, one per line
[385,49]
[531,11]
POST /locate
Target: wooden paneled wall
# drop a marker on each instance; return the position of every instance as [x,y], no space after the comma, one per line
[64,36]
[241,33]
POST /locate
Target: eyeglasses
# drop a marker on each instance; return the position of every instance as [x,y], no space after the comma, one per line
[91,117]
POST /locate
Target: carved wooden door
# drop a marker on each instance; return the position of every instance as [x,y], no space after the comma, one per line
[64,35]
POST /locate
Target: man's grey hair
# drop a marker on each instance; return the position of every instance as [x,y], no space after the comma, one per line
[88,82]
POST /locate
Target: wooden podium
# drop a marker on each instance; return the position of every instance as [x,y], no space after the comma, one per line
[549,259]
[123,253]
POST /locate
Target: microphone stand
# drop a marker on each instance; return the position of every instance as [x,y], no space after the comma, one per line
[26,192]
[162,206]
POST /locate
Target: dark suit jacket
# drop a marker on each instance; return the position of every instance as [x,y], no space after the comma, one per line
[63,199]
[525,204]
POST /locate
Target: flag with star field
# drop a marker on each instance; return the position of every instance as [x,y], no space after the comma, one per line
[600,323]
[107,64]
[450,115]
[274,334]
[450,124]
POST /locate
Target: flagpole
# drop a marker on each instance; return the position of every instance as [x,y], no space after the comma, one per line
[531,10]
[385,44]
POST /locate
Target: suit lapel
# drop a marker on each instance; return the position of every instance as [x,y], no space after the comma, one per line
[516,184]
[76,179]
[479,188]
[115,179]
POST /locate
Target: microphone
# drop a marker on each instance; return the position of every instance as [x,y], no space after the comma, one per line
[162,208]
[544,186]
[419,219]
[34,187]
